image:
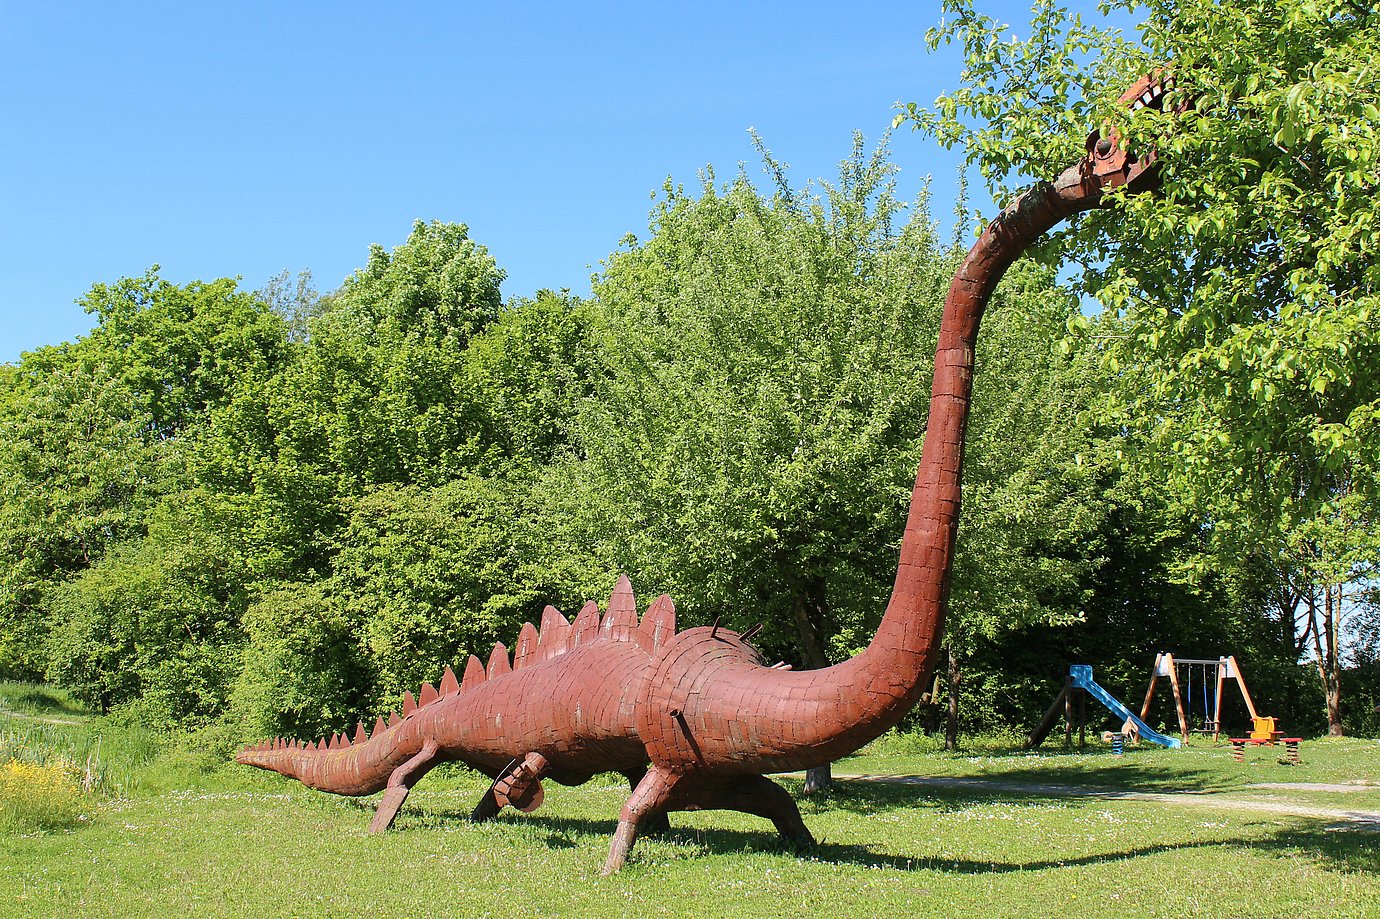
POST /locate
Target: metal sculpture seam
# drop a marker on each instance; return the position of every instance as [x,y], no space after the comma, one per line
[696,719]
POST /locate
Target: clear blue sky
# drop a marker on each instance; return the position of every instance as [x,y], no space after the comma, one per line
[243,139]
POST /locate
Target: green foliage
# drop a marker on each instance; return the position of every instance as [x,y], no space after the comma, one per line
[528,372]
[181,350]
[302,671]
[439,285]
[753,436]
[92,433]
[428,576]
[1032,531]
[155,621]
[76,475]
[748,442]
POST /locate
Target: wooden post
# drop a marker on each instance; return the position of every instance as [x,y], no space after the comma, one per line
[1150,693]
[1217,703]
[1178,697]
[1042,730]
[1241,681]
[1082,719]
[1068,719]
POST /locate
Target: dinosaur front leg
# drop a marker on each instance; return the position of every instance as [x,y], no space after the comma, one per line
[651,796]
[401,782]
[654,824]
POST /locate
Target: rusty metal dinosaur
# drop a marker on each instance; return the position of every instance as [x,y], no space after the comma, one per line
[696,719]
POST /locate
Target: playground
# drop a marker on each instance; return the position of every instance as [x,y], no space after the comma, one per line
[1213,679]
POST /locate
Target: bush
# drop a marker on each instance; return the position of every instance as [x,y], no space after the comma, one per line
[39,796]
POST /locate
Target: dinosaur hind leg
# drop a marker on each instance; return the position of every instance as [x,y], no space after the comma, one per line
[652,796]
[761,797]
[519,784]
[401,782]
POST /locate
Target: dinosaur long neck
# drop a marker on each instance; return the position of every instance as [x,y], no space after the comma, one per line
[882,683]
[913,624]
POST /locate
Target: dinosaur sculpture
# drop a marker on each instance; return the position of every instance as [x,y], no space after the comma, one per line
[695,719]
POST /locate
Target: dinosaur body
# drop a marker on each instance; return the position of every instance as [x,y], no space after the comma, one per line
[695,719]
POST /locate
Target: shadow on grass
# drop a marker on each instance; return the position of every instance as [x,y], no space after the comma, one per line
[1332,848]
[568,832]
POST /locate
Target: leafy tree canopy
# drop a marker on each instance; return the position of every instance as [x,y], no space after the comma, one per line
[1242,326]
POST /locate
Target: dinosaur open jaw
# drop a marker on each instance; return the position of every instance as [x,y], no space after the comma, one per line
[1148,92]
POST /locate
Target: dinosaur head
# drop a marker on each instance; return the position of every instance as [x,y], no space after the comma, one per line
[1111,162]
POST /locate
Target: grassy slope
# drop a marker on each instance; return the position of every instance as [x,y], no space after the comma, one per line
[218,840]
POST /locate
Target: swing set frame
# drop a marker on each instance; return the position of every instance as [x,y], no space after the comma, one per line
[1166,665]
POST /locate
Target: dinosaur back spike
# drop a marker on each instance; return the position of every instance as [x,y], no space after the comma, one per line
[498,662]
[361,735]
[659,625]
[621,619]
[449,684]
[409,703]
[428,695]
[586,625]
[474,673]
[380,726]
[393,718]
[526,645]
[554,636]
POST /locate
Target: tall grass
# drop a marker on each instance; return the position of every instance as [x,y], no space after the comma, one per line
[57,760]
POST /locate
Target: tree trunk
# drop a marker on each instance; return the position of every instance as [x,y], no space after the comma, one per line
[951,723]
[808,606]
[1324,633]
[1332,614]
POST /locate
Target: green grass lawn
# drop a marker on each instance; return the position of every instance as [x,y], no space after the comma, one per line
[202,837]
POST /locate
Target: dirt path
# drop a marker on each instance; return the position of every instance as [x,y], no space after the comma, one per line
[1368,821]
[7,713]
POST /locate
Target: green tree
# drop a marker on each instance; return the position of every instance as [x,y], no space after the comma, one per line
[428,576]
[93,433]
[1241,315]
[527,374]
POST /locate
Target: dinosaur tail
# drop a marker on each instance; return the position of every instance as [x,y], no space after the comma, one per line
[361,763]
[499,710]
[340,764]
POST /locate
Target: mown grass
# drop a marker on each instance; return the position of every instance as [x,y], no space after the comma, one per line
[1200,767]
[221,840]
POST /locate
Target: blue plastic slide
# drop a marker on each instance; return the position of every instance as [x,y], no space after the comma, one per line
[1082,677]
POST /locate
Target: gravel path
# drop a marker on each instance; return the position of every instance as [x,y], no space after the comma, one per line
[1368,821]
